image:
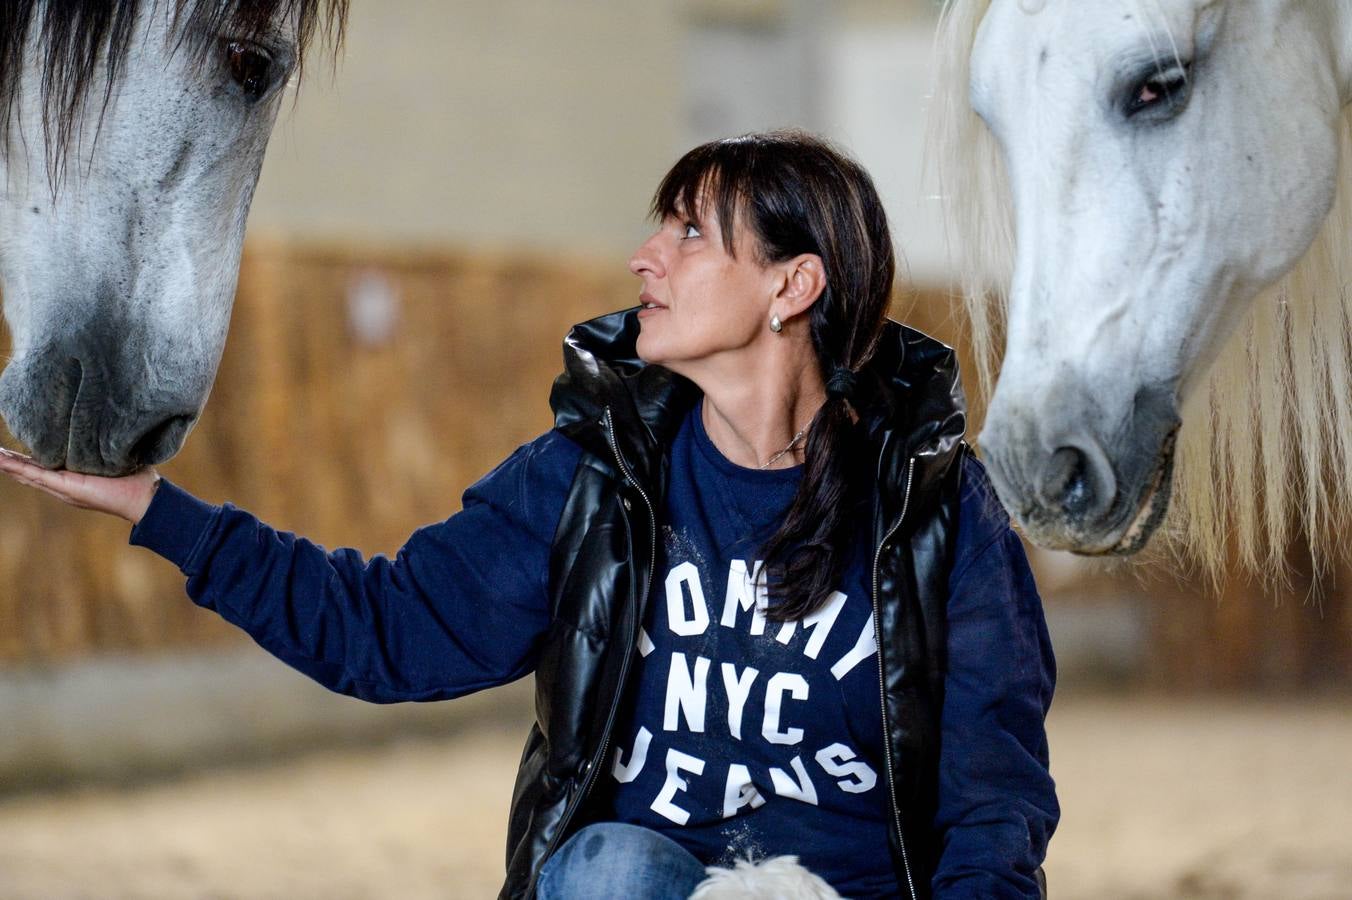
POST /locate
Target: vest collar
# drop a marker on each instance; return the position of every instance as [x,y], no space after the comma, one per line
[911,403]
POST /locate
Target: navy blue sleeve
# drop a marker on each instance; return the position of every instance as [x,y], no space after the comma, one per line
[997,802]
[462,606]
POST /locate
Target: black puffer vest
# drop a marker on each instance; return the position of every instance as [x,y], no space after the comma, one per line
[624,415]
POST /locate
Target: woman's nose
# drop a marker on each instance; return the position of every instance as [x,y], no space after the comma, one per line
[647,259]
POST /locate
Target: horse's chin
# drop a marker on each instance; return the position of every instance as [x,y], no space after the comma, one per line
[79,451]
[1153,506]
[1150,508]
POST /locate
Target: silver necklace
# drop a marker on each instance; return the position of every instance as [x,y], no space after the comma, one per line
[793,443]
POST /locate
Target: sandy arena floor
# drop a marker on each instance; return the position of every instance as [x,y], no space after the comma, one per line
[1161,799]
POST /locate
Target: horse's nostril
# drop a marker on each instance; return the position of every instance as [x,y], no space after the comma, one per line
[1067,483]
[161,441]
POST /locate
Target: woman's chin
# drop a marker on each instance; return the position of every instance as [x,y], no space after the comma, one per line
[649,349]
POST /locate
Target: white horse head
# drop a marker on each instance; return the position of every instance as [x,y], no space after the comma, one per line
[1164,162]
[133,134]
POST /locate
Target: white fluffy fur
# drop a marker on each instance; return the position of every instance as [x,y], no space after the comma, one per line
[776,878]
[1266,445]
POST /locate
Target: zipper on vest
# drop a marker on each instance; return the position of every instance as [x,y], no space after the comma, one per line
[882,684]
[598,760]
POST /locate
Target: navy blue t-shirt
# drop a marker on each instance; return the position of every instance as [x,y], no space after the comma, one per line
[746,737]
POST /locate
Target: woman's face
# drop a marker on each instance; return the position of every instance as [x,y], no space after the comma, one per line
[699,301]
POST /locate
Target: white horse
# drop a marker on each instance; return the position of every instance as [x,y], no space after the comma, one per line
[131,137]
[1150,200]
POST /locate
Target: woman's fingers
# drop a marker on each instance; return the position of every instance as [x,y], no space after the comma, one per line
[25,471]
[126,497]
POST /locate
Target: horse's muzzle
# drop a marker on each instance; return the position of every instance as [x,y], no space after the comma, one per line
[1070,487]
[71,413]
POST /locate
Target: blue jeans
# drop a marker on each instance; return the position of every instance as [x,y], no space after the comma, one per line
[610,859]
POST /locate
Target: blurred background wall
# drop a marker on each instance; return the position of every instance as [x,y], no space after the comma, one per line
[578,109]
[431,217]
[470,180]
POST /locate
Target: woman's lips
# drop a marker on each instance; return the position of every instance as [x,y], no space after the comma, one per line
[649,304]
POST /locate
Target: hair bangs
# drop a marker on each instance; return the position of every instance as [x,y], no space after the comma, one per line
[713,178]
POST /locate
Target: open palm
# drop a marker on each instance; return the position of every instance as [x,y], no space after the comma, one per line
[126,497]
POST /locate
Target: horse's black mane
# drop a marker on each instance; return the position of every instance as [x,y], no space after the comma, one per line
[80,37]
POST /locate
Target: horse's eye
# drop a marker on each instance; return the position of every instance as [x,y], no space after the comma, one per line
[1160,90]
[251,67]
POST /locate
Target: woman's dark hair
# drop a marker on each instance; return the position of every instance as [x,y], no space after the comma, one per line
[800,195]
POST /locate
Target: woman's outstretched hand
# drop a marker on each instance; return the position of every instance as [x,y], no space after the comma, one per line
[126,497]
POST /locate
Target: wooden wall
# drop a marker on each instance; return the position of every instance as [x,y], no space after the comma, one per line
[356,440]
[1248,636]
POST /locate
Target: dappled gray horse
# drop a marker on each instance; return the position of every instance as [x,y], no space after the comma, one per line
[1150,197]
[131,140]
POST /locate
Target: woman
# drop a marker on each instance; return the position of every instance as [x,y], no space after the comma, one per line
[770,601]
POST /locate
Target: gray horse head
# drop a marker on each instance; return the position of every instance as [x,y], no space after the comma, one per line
[131,143]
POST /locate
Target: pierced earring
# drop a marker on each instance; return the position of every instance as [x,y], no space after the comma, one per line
[775,325]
